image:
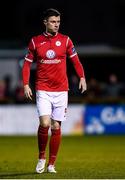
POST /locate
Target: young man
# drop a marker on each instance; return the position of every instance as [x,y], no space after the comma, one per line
[49,50]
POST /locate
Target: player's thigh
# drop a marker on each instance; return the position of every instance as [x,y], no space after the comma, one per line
[44,106]
[60,107]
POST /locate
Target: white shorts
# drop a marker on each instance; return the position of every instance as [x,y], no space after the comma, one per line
[53,104]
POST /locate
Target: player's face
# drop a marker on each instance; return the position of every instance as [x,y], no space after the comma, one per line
[52,24]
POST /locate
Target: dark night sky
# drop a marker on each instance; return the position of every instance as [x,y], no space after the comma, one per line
[86,22]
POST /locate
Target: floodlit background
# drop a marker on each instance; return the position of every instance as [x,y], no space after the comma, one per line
[97,29]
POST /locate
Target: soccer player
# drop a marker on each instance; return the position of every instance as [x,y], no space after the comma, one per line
[49,50]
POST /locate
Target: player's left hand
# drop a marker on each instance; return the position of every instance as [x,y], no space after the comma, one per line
[82,85]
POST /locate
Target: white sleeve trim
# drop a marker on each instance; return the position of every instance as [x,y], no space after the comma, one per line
[30,60]
[67,41]
[33,43]
[73,55]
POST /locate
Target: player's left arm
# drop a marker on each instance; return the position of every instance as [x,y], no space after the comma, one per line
[71,52]
[82,85]
[80,72]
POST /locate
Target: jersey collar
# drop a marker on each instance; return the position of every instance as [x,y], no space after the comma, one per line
[49,35]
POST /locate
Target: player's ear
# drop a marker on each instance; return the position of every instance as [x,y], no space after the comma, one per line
[45,22]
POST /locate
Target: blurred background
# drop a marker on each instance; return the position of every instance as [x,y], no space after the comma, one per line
[97,30]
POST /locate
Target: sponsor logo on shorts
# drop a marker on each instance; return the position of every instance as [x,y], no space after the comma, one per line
[65,111]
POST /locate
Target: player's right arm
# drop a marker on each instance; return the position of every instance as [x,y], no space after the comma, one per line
[26,69]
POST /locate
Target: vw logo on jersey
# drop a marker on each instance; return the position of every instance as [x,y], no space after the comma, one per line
[58,43]
[50,54]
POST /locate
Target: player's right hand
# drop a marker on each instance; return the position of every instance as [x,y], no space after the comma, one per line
[28,92]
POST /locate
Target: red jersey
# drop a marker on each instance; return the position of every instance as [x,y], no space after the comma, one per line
[49,53]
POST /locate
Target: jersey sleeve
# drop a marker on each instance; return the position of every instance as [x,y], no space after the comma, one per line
[71,52]
[29,58]
[26,72]
[73,56]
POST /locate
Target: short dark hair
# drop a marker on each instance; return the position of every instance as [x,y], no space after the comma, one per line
[50,12]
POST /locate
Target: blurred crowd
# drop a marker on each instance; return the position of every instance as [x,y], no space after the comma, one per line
[9,94]
[111,90]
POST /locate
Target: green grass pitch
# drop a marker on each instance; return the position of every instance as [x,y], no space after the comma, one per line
[79,157]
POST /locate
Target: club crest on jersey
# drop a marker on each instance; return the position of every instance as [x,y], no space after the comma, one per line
[50,54]
[58,43]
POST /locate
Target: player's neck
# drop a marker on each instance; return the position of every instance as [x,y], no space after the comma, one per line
[51,33]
